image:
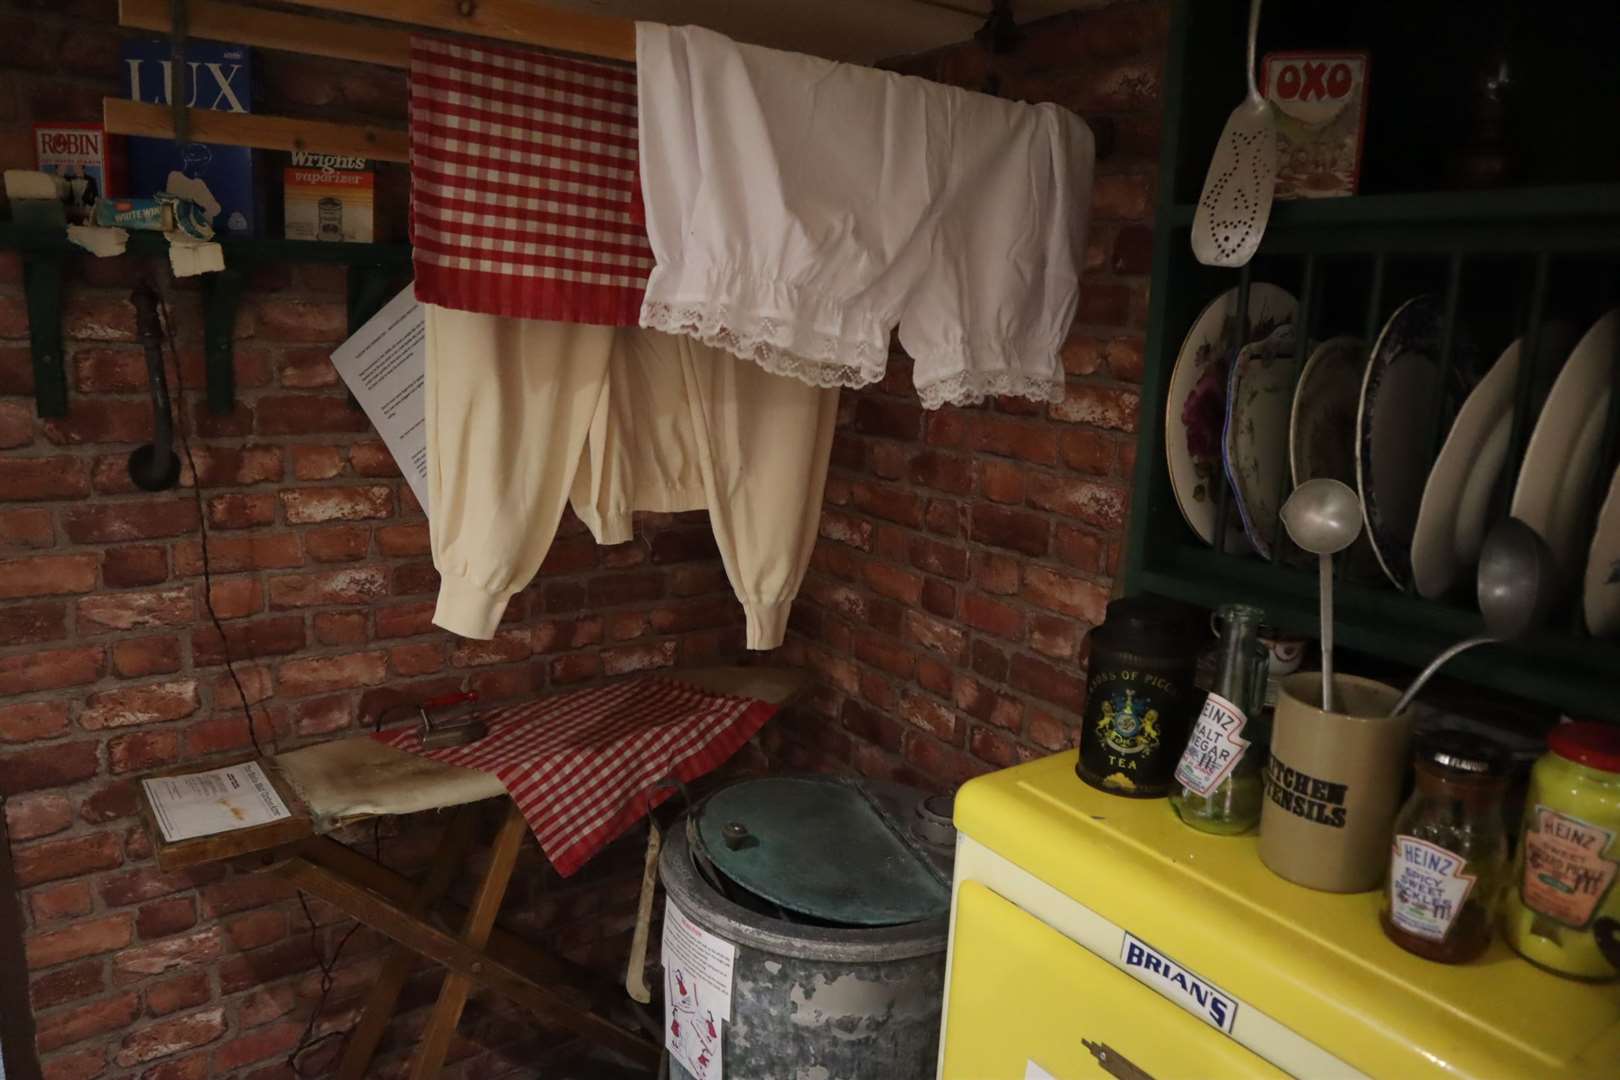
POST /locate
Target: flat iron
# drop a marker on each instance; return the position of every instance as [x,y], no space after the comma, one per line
[444,733]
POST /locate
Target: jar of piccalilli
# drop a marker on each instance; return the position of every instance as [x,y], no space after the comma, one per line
[1563,882]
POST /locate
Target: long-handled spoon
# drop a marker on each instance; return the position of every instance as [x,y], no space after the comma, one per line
[1323,516]
[1515,594]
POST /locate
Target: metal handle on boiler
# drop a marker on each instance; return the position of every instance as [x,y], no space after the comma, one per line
[1113,1062]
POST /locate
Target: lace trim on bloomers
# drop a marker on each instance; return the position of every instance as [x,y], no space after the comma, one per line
[973,387]
[781,348]
[826,360]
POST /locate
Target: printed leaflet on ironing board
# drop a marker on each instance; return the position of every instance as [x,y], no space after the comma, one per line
[201,804]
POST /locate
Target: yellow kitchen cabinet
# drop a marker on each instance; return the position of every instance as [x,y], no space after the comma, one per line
[1094,935]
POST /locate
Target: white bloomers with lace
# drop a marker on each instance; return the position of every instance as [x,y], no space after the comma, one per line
[802,211]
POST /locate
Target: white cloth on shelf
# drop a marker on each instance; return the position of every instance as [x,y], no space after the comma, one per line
[525,416]
[800,209]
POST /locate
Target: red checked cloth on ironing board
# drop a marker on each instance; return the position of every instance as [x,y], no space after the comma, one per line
[525,184]
[579,764]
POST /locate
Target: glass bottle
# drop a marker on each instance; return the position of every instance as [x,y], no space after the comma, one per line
[1218,784]
[1449,857]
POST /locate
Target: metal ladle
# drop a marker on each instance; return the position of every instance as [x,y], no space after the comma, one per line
[1323,516]
[1515,594]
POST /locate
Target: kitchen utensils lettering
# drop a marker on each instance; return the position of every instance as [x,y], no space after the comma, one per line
[1333,783]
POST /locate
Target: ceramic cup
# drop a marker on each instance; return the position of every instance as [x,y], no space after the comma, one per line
[1333,783]
[1283,654]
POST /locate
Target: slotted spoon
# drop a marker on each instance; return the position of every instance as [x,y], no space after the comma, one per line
[1236,201]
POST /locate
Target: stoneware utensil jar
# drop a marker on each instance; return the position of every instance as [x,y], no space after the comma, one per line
[1333,783]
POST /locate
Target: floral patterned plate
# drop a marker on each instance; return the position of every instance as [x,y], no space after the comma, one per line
[1258,396]
[1195,410]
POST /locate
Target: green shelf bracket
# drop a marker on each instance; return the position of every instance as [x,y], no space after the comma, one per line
[370,287]
[42,285]
[376,271]
[223,296]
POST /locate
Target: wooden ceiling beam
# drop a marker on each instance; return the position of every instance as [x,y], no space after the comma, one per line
[275,30]
[522,22]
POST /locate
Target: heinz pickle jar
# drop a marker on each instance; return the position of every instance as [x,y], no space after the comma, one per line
[1449,857]
[1139,698]
[1563,877]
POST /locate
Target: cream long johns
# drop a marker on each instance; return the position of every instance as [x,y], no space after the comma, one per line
[526,416]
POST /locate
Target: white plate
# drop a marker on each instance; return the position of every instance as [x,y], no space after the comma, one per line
[1603,568]
[1452,519]
[1198,393]
[1401,391]
[1557,480]
[1322,418]
[1255,451]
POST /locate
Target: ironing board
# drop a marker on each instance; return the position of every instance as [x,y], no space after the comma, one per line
[338,783]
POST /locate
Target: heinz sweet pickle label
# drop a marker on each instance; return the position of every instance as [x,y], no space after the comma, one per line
[1566,871]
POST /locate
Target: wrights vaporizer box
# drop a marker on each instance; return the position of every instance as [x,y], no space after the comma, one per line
[216,77]
[328,197]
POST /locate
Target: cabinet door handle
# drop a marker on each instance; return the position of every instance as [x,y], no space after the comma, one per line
[1113,1062]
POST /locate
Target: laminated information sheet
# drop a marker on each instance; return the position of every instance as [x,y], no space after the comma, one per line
[384,364]
[697,993]
[201,804]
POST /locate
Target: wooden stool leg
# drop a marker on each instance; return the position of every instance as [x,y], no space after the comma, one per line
[441,1026]
[379,1007]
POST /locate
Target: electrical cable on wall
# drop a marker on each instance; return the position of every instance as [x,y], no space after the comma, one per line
[146,298]
[148,294]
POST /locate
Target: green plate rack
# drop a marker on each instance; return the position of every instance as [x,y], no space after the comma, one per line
[1495,256]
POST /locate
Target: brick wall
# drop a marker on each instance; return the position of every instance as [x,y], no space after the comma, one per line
[965,553]
[109,666]
[963,556]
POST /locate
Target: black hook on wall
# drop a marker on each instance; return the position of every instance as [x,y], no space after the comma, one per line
[999,34]
[154,467]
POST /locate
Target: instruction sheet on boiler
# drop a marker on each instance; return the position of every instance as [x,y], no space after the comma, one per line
[385,365]
[697,993]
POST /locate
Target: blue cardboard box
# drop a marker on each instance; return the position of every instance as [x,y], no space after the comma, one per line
[217,77]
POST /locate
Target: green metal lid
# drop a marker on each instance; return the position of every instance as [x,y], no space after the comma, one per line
[822,847]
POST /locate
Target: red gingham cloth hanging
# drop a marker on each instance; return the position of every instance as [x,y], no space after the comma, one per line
[525,184]
[579,764]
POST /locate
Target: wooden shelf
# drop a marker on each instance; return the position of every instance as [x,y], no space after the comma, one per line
[1577,674]
[1559,220]
[43,241]
[1504,205]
